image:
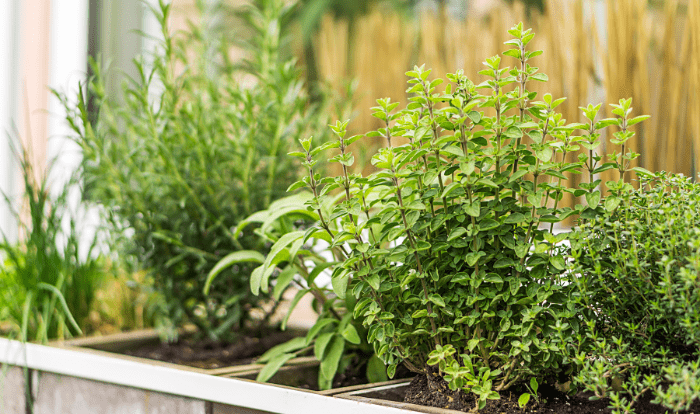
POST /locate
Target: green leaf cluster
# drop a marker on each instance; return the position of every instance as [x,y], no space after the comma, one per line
[301,254]
[637,274]
[447,253]
[192,146]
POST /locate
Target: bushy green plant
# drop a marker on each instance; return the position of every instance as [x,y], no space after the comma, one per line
[47,281]
[198,143]
[447,253]
[637,269]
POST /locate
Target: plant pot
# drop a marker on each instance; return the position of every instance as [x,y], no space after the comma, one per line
[390,394]
[69,380]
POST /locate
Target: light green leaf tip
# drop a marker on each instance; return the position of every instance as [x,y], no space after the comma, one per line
[230,260]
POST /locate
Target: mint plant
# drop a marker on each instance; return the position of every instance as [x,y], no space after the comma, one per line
[637,274]
[447,252]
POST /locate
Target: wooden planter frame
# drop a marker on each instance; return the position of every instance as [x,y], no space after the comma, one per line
[94,367]
[59,374]
[113,345]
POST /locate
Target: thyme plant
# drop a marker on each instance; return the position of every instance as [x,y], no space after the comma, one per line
[637,274]
[447,253]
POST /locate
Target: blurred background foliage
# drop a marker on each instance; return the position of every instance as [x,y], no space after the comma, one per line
[357,51]
[197,142]
[607,50]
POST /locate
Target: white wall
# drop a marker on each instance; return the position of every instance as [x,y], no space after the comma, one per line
[68,51]
[67,56]
[9,41]
[67,63]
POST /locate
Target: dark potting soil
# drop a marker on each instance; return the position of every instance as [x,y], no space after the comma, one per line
[209,354]
[434,392]
[355,373]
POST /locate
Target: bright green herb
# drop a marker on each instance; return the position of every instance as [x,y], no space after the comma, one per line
[525,397]
[189,152]
[637,273]
[49,278]
[447,253]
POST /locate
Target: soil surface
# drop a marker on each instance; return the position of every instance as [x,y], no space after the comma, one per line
[434,392]
[354,374]
[209,354]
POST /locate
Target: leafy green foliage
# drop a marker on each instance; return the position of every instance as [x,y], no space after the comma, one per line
[457,252]
[196,145]
[47,280]
[637,273]
[299,257]
[447,251]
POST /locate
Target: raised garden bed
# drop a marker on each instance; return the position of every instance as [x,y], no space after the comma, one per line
[67,380]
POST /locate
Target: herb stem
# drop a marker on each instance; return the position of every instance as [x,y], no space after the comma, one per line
[521,104]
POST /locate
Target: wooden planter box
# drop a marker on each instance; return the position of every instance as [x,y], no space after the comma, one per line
[296,373]
[340,392]
[66,380]
[298,376]
[88,375]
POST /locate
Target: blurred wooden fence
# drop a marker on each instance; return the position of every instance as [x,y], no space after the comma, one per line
[594,51]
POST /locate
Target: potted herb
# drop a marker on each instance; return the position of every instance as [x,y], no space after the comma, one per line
[336,340]
[49,278]
[447,255]
[195,144]
[637,273]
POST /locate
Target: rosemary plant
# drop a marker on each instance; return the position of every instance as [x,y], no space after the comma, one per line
[191,151]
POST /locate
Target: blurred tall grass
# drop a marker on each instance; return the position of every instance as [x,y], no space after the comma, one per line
[594,51]
[48,281]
